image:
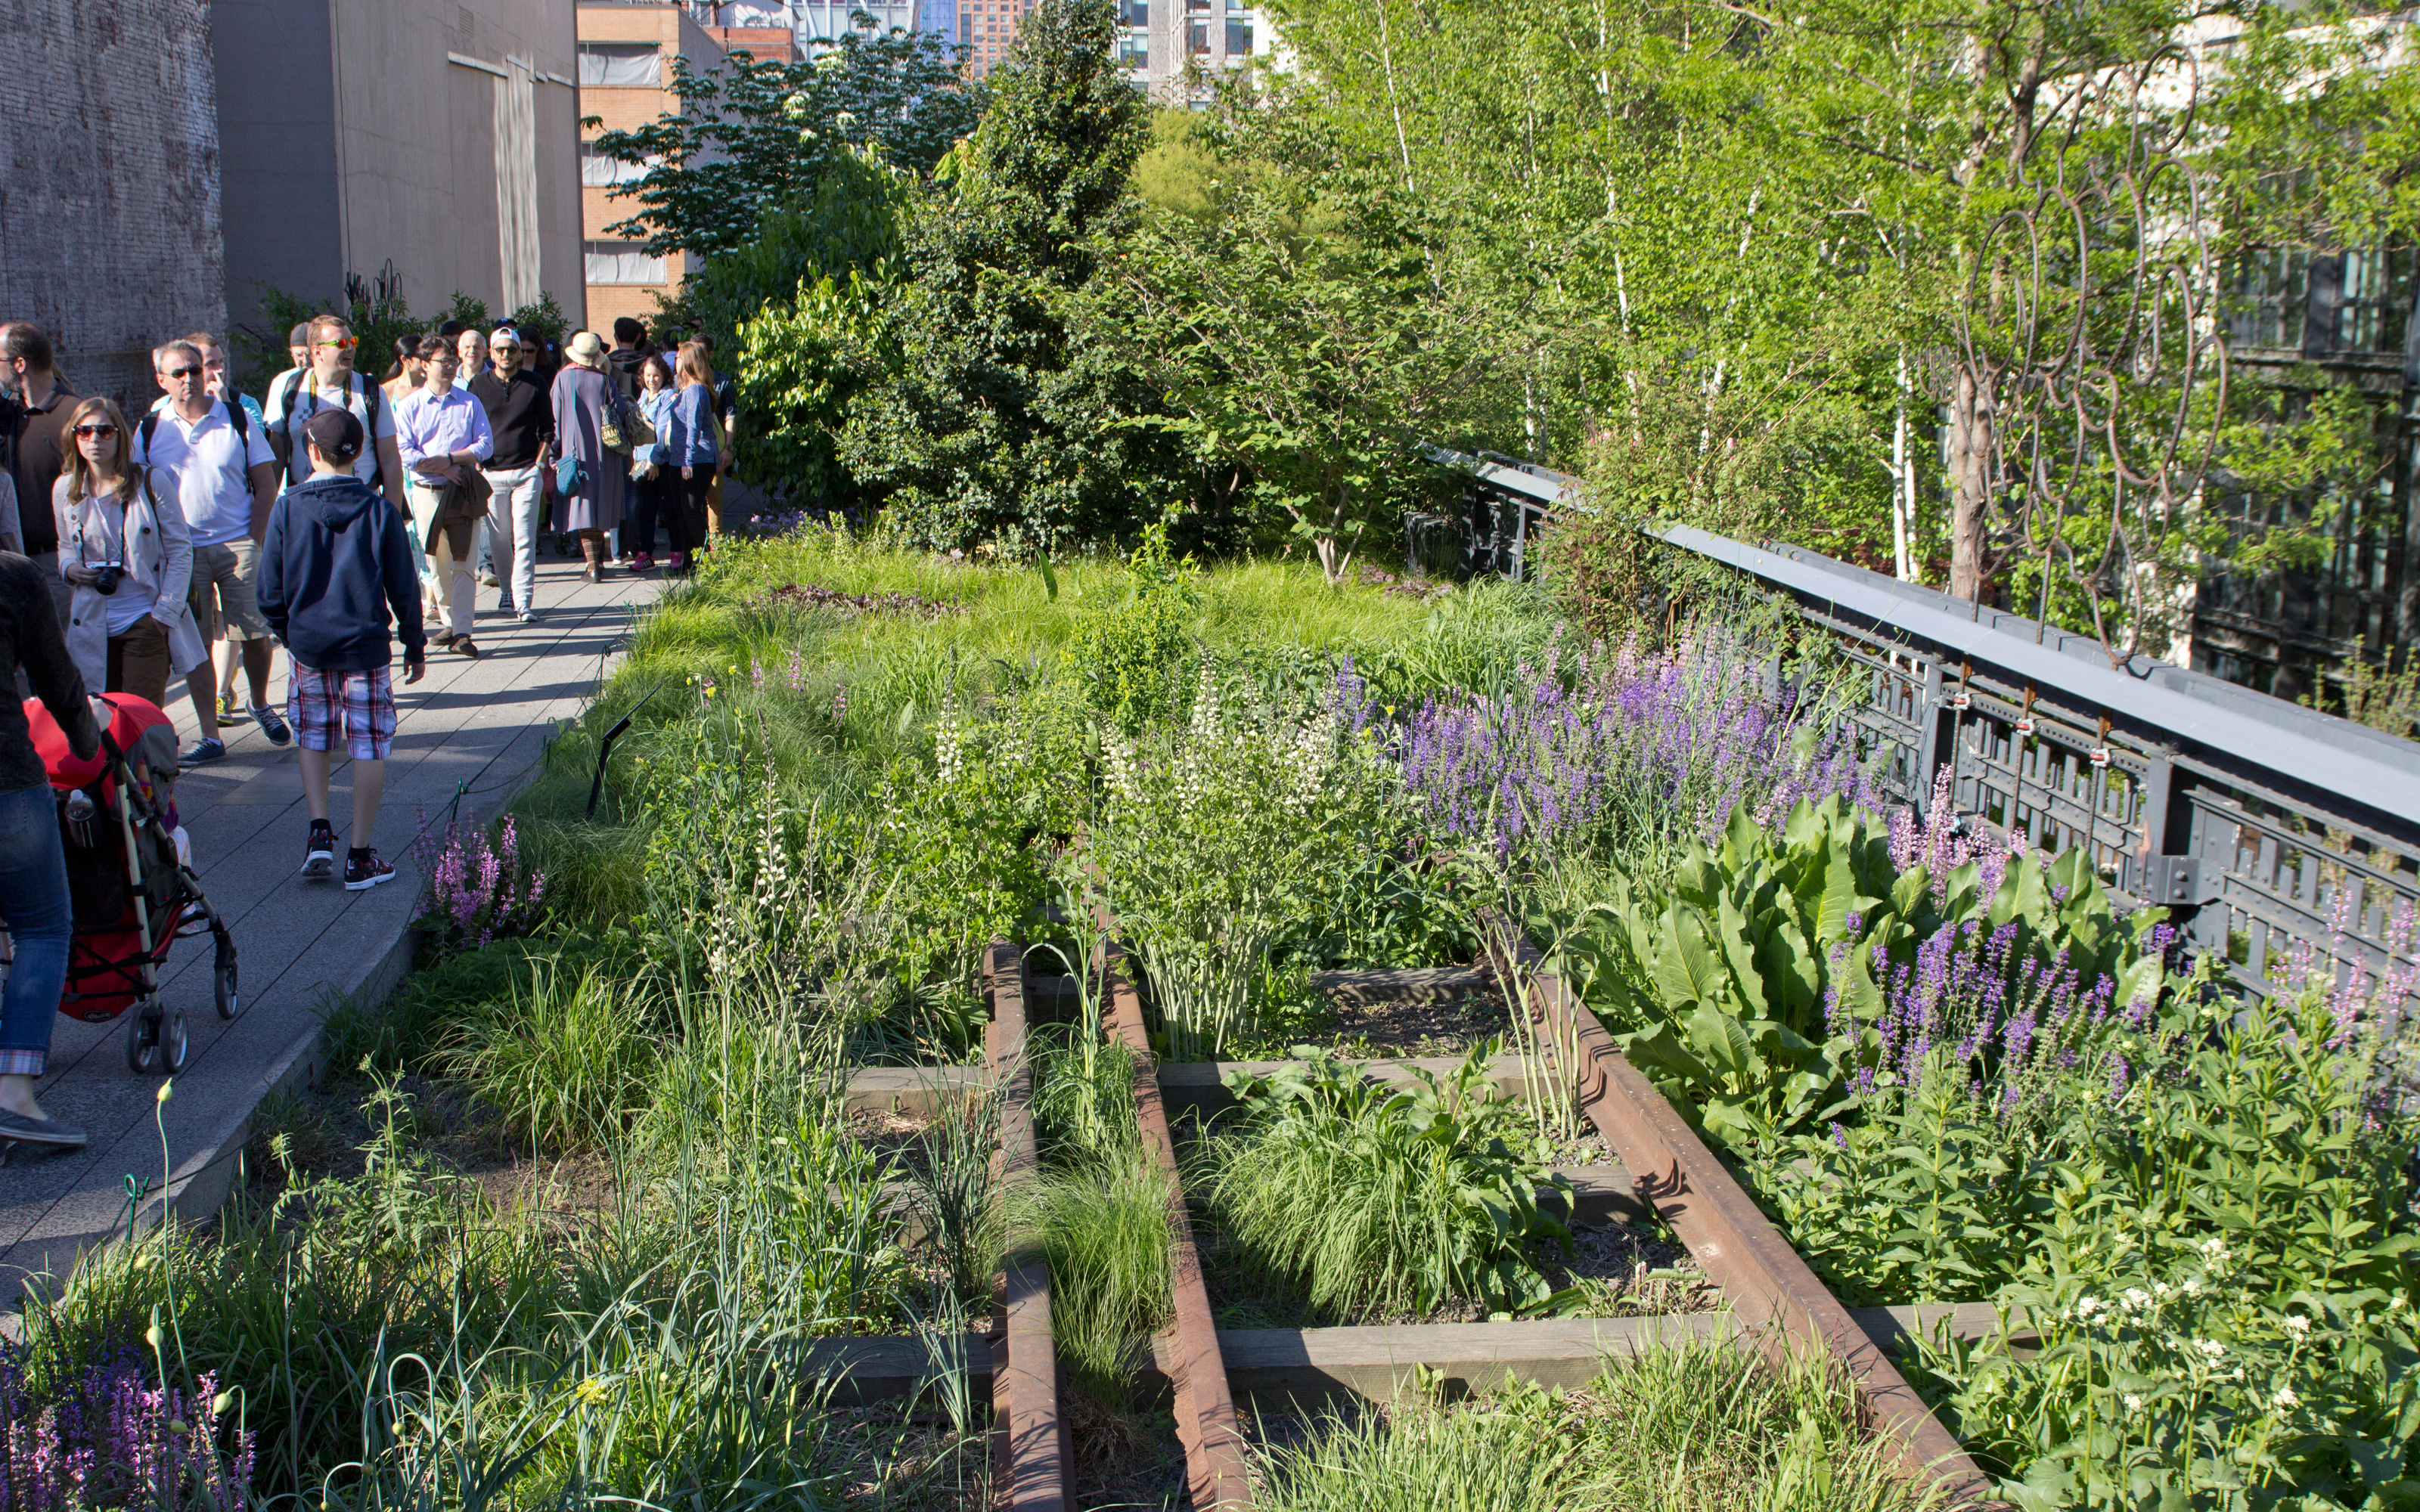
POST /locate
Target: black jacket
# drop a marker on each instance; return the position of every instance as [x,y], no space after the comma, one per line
[29,637]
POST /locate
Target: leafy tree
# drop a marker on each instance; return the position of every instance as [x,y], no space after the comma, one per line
[1004,424]
[1311,334]
[753,137]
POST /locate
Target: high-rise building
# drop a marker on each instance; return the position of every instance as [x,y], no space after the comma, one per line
[1162,39]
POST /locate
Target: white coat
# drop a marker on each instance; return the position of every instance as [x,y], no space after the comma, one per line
[159,568]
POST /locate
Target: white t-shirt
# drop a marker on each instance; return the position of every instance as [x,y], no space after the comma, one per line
[214,483]
[357,398]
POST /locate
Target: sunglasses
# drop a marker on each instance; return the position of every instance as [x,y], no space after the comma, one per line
[96,432]
[342,343]
[180,372]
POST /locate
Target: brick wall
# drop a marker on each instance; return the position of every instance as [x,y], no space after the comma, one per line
[110,235]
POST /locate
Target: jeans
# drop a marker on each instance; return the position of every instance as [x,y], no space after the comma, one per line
[34,905]
[513,516]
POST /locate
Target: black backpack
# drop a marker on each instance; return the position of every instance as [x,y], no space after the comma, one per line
[297,464]
[237,419]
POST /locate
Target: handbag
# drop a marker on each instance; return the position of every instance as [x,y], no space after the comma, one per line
[620,426]
[570,475]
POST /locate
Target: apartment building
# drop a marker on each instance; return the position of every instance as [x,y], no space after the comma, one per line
[438,137]
[627,54]
[1166,44]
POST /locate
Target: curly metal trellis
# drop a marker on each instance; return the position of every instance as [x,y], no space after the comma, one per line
[2086,382]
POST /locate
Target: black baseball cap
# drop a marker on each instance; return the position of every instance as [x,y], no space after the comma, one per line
[337,433]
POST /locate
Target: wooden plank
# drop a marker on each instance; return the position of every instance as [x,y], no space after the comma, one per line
[1214,1469]
[1272,1366]
[912,1091]
[1770,1289]
[1032,1442]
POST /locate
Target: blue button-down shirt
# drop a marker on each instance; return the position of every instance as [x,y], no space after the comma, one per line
[431,424]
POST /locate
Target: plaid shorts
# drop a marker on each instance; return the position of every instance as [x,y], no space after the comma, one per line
[364,701]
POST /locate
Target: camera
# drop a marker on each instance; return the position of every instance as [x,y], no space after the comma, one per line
[106,576]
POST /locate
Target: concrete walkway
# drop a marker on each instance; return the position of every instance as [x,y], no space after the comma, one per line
[481,724]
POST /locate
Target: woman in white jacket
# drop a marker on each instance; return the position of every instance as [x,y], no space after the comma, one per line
[131,638]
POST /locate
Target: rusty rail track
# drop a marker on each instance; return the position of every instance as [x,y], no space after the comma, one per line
[1029,1439]
[1215,1467]
[1770,1289]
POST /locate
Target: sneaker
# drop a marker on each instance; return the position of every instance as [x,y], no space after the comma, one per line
[272,726]
[443,639]
[487,577]
[464,646]
[528,616]
[320,852]
[504,602]
[675,563]
[230,712]
[202,750]
[365,870]
[643,561]
[54,1133]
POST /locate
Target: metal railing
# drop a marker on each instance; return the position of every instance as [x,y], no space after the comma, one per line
[2262,824]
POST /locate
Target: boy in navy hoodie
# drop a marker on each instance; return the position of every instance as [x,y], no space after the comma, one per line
[336,560]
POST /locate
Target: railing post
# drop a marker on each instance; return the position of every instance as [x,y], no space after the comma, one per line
[1928,714]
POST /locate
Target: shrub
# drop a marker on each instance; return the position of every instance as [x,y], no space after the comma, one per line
[1702,1426]
[1378,1198]
[1101,1224]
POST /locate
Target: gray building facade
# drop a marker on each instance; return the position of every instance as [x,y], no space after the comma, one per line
[110,206]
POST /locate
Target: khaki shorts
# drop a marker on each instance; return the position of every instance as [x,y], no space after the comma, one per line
[138,660]
[222,596]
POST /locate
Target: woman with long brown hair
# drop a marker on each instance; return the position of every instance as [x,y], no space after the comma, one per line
[694,442]
[126,554]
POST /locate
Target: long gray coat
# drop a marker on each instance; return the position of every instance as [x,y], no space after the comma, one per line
[579,406]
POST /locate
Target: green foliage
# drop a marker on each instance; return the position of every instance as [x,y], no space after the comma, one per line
[1754,986]
[1101,1226]
[1002,423]
[1132,659]
[566,1056]
[952,1193]
[1177,172]
[379,314]
[1698,1426]
[1372,1199]
[752,139]
[1311,336]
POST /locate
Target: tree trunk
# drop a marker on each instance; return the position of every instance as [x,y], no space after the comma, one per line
[1970,480]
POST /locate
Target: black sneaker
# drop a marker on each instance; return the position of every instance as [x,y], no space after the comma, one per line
[319,854]
[272,726]
[365,870]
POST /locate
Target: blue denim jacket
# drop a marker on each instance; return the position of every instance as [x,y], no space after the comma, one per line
[692,440]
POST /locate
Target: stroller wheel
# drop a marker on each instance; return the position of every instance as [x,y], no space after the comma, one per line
[230,1000]
[173,1043]
[143,1039]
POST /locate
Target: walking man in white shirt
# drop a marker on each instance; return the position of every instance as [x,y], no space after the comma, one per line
[330,381]
[227,478]
[443,435]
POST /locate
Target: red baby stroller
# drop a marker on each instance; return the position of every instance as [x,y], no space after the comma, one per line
[131,894]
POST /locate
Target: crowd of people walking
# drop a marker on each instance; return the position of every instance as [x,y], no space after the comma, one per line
[337,515]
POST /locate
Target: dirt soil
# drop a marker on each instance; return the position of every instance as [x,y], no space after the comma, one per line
[1621,1272]
[328,1131]
[1123,1459]
[1428,1013]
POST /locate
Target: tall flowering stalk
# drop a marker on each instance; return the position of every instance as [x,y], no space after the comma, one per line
[1671,740]
[477,888]
[112,1439]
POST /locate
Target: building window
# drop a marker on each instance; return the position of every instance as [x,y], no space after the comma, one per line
[1139,14]
[1239,36]
[622,262]
[620,66]
[1196,38]
[598,171]
[1134,53]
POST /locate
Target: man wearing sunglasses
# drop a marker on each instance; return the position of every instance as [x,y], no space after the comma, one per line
[227,479]
[520,417]
[332,384]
